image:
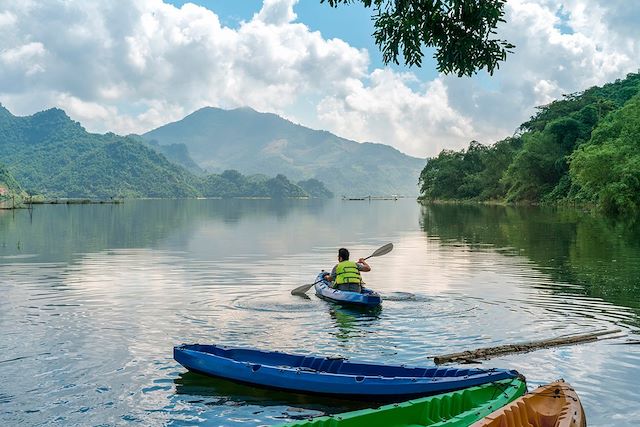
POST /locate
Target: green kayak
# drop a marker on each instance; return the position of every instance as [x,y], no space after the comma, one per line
[455,409]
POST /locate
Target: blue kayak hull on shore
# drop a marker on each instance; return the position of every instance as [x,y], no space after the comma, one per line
[366,298]
[326,375]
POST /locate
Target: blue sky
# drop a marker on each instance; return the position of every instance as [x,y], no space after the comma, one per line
[133,65]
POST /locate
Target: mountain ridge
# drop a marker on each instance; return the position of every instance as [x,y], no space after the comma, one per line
[50,154]
[255,142]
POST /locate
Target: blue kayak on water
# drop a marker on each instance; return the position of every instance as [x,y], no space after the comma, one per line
[327,375]
[366,298]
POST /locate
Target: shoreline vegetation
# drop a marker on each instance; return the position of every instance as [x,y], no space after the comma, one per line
[25,202]
[572,204]
[579,151]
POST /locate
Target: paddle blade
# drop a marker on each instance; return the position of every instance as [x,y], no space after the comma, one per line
[382,250]
[301,289]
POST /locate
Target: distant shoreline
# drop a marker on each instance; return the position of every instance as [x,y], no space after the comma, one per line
[26,202]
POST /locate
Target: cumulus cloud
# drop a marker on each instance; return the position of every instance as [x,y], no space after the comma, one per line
[276,12]
[130,66]
[388,109]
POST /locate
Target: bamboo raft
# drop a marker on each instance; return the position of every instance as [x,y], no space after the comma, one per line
[472,356]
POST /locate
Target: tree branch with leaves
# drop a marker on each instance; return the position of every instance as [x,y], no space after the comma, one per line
[462,31]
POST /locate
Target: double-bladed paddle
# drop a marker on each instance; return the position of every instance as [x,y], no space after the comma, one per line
[300,290]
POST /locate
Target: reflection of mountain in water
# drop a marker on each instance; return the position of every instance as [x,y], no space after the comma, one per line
[572,246]
[56,232]
[212,229]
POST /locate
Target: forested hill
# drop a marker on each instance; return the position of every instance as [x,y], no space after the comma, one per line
[50,154]
[264,143]
[584,148]
[8,184]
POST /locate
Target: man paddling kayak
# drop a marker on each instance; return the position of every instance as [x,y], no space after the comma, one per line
[346,274]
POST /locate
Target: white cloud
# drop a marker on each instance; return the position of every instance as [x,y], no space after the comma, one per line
[7,20]
[276,12]
[27,58]
[387,109]
[129,66]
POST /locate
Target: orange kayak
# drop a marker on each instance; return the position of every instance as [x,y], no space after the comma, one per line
[551,405]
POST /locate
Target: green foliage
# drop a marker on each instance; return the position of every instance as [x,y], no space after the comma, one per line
[462,31]
[232,183]
[474,173]
[607,169]
[122,168]
[280,187]
[315,188]
[494,163]
[440,178]
[583,148]
[535,169]
[539,171]
[8,184]
[601,101]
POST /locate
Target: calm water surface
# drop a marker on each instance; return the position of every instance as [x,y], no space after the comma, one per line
[94,297]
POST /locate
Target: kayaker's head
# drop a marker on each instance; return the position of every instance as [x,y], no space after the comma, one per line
[343,254]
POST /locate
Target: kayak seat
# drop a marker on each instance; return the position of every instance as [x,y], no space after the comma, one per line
[350,287]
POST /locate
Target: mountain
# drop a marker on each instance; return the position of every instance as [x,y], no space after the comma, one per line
[264,143]
[50,154]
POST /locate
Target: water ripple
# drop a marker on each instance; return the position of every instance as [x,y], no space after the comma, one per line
[91,336]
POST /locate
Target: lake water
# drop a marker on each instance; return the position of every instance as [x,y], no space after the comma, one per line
[94,297]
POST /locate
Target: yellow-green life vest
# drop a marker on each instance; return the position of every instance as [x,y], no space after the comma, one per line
[347,272]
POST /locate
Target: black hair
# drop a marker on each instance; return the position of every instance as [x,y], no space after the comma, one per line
[343,253]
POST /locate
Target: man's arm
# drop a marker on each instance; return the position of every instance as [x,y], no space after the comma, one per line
[362,265]
[331,277]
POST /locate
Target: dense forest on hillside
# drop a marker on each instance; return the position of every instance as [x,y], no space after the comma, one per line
[584,148]
[49,154]
[8,184]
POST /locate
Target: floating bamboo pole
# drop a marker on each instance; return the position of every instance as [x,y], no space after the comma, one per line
[489,352]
